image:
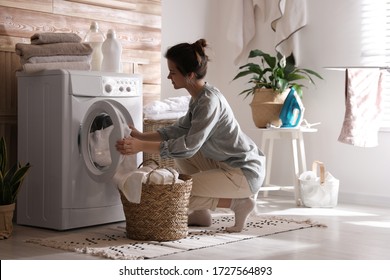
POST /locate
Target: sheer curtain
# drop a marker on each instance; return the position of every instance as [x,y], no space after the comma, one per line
[375,45]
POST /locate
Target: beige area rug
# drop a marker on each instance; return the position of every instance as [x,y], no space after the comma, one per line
[112,243]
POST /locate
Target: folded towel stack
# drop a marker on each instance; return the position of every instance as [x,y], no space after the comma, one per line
[54,51]
[171,108]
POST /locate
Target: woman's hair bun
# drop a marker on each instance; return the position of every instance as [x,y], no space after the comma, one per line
[202,43]
[199,46]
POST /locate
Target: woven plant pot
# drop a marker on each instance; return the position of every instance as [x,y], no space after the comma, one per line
[162,214]
[266,106]
[6,216]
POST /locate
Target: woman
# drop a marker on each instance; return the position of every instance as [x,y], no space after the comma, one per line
[207,143]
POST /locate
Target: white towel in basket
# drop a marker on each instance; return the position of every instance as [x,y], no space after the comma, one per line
[132,184]
[132,188]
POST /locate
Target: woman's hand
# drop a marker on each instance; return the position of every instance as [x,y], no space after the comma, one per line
[129,146]
[135,132]
[145,136]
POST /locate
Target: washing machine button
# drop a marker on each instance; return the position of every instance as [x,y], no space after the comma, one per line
[108,88]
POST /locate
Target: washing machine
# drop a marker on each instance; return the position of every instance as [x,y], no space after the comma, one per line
[68,124]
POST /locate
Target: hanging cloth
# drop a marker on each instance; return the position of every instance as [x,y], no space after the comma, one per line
[363,107]
[289,18]
[241,29]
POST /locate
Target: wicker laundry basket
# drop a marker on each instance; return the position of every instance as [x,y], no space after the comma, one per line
[153,125]
[162,214]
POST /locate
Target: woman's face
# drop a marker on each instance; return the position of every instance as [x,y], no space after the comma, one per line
[176,77]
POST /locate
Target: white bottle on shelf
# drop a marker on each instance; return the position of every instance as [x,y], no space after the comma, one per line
[112,52]
[95,39]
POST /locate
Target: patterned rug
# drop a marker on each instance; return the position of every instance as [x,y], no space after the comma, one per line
[112,243]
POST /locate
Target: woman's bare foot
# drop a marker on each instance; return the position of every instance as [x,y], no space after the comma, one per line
[200,218]
[241,208]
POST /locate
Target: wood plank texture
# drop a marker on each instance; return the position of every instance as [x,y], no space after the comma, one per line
[23,23]
[122,5]
[132,17]
[36,5]
[8,66]
[136,22]
[9,63]
[138,31]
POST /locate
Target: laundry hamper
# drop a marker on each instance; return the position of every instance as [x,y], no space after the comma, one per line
[162,214]
[153,125]
[318,191]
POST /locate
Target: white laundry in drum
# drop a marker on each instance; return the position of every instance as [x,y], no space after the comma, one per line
[99,146]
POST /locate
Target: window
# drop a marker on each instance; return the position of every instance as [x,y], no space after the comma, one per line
[376,45]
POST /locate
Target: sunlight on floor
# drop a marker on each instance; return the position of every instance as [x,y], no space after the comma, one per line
[380,224]
[318,212]
[264,207]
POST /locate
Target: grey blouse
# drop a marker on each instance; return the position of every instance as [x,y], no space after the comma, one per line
[209,126]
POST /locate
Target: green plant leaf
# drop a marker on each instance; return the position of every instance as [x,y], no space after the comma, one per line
[246,92]
[311,72]
[270,60]
[282,85]
[276,72]
[298,90]
[290,60]
[242,74]
[20,174]
[294,77]
[10,180]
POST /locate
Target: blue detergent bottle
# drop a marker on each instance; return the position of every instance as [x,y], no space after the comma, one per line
[292,110]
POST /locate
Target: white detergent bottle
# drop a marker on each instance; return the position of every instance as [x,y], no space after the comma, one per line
[112,52]
[95,39]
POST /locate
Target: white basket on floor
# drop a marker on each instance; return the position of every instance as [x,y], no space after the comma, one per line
[319,191]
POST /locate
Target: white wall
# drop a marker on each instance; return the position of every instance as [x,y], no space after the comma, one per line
[331,38]
[182,21]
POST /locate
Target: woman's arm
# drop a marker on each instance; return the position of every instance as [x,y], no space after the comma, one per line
[131,145]
[148,142]
[145,136]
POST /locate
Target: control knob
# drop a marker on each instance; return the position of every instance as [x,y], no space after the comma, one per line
[108,88]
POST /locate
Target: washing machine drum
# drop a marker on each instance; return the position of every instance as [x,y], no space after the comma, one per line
[105,122]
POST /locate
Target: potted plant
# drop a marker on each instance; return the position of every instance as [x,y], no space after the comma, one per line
[10,182]
[271,81]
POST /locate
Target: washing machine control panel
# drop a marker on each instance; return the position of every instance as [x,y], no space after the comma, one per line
[121,86]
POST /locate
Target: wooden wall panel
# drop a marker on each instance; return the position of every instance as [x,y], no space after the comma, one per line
[8,66]
[132,17]
[35,5]
[138,28]
[8,102]
[136,22]
[148,7]
[23,23]
[151,92]
[116,4]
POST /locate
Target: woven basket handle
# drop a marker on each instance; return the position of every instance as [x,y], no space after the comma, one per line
[147,161]
[167,168]
[319,164]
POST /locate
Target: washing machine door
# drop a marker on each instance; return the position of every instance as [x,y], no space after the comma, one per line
[105,122]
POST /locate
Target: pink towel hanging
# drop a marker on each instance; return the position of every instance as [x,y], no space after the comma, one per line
[363,108]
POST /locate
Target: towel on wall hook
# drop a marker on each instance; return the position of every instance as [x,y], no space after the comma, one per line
[363,107]
[289,18]
[241,29]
